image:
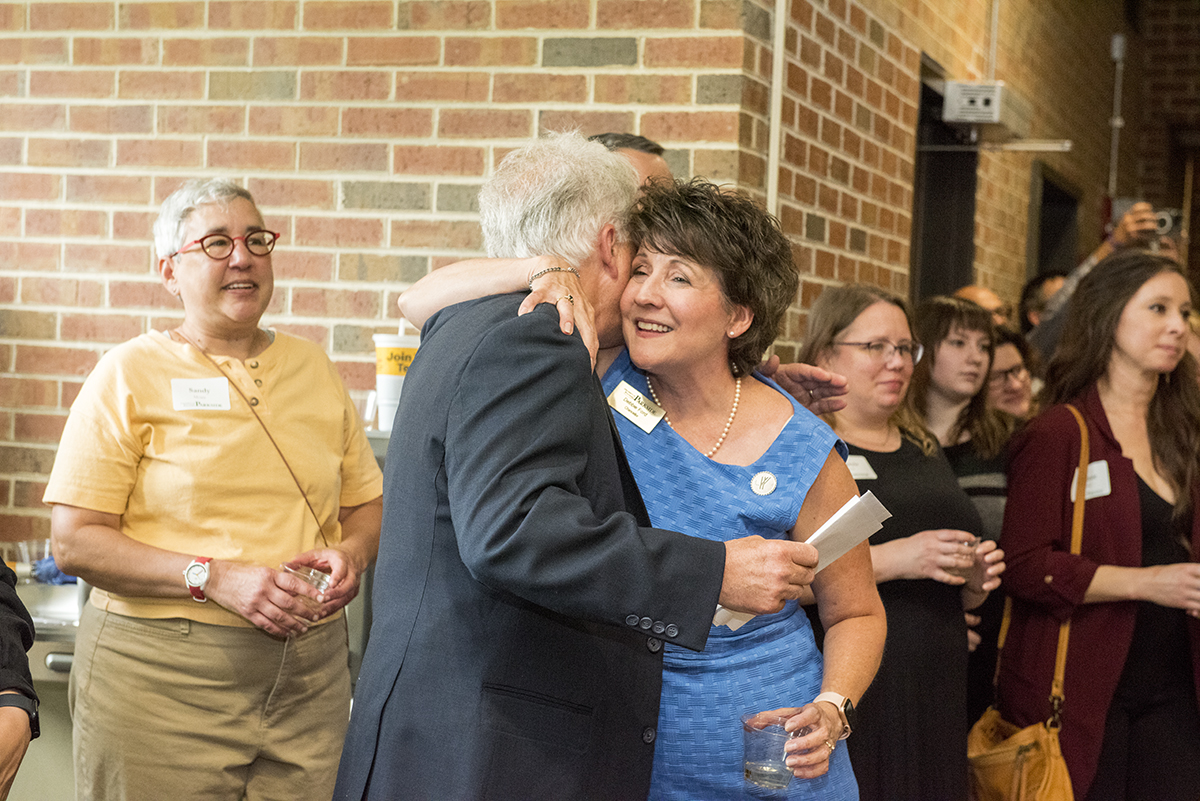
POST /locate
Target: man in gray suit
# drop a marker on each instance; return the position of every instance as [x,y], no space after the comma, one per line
[521,596]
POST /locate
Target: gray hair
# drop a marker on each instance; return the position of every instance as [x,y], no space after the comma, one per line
[168,228]
[552,197]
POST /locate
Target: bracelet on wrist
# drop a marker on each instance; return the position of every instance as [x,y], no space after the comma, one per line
[540,273]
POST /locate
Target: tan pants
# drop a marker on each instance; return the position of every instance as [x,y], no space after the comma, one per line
[177,710]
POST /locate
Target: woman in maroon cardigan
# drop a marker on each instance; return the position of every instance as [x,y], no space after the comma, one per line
[1130,723]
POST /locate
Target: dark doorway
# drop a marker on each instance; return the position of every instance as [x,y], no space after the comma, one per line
[943,239]
[1053,241]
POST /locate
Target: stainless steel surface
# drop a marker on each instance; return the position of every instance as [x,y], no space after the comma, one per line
[50,661]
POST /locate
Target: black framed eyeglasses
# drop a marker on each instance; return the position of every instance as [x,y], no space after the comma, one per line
[1016,373]
[220,246]
[882,350]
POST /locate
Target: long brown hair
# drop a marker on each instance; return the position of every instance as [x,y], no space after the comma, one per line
[835,310]
[937,318]
[1082,358]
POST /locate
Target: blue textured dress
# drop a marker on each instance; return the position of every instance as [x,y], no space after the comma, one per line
[770,662]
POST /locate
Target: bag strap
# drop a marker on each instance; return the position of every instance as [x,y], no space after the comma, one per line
[267,431]
[1064,630]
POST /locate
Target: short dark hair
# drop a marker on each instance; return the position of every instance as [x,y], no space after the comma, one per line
[625,141]
[1029,356]
[1032,298]
[725,231]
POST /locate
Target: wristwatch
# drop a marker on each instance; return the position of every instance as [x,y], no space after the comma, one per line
[29,705]
[845,708]
[196,576]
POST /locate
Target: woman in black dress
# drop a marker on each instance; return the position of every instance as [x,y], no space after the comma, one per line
[911,737]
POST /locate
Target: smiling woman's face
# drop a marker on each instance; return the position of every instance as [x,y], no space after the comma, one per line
[875,387]
[221,295]
[674,313]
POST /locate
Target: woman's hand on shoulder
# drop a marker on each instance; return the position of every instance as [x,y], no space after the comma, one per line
[558,284]
[817,390]
[253,592]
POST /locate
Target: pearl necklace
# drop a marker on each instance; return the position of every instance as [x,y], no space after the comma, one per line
[737,394]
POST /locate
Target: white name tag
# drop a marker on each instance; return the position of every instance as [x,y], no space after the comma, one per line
[860,468]
[1098,483]
[635,407]
[199,393]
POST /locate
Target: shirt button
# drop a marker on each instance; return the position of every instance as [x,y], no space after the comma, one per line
[258,382]
[653,645]
[1048,579]
[631,620]
[253,365]
[254,401]
[672,630]
[646,623]
[648,734]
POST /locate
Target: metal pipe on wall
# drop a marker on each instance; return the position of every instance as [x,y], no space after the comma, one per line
[775,123]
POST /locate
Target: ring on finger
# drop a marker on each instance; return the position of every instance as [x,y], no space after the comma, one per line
[831,745]
[569,298]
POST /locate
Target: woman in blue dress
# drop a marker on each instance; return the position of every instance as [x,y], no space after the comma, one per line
[724,453]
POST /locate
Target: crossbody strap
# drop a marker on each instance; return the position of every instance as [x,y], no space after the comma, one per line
[1064,630]
[267,431]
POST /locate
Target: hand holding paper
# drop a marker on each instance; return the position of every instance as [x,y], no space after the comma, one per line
[857,520]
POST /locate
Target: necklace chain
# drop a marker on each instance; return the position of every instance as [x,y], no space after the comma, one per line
[737,395]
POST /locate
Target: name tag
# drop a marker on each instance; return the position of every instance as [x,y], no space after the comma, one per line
[1097,484]
[635,407]
[199,393]
[860,468]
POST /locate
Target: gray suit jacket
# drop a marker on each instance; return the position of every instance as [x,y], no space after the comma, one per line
[521,598]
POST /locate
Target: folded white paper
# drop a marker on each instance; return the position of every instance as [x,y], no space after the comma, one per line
[857,520]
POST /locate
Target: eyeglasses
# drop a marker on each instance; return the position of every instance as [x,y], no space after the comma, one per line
[1016,373]
[220,246]
[882,350]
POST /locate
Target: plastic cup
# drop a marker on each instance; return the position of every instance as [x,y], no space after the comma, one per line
[763,739]
[965,572]
[313,577]
[393,355]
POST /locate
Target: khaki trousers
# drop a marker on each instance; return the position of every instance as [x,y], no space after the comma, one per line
[176,710]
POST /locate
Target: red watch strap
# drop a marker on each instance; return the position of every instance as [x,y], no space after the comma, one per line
[198,592]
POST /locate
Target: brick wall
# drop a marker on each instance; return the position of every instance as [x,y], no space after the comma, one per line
[1171,88]
[365,128]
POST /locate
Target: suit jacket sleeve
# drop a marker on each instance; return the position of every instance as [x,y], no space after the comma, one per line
[521,457]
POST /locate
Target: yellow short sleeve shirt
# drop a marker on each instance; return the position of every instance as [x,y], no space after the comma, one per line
[159,437]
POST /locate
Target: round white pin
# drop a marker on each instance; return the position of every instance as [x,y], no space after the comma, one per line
[763,483]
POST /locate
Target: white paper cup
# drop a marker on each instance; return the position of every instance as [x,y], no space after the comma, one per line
[393,355]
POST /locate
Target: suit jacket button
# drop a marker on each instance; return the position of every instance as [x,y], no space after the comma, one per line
[672,630]
[653,644]
[659,627]
[648,734]
[632,620]
[646,623]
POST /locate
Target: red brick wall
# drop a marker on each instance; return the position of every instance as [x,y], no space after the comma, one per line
[365,128]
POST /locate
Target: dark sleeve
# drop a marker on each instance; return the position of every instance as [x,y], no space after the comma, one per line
[529,432]
[1037,518]
[16,637]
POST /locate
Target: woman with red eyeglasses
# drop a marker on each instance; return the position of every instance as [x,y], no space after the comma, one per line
[195,463]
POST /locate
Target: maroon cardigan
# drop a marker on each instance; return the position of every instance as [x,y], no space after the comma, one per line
[1047,583]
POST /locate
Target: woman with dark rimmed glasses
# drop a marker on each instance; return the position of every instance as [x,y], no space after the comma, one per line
[927,563]
[195,463]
